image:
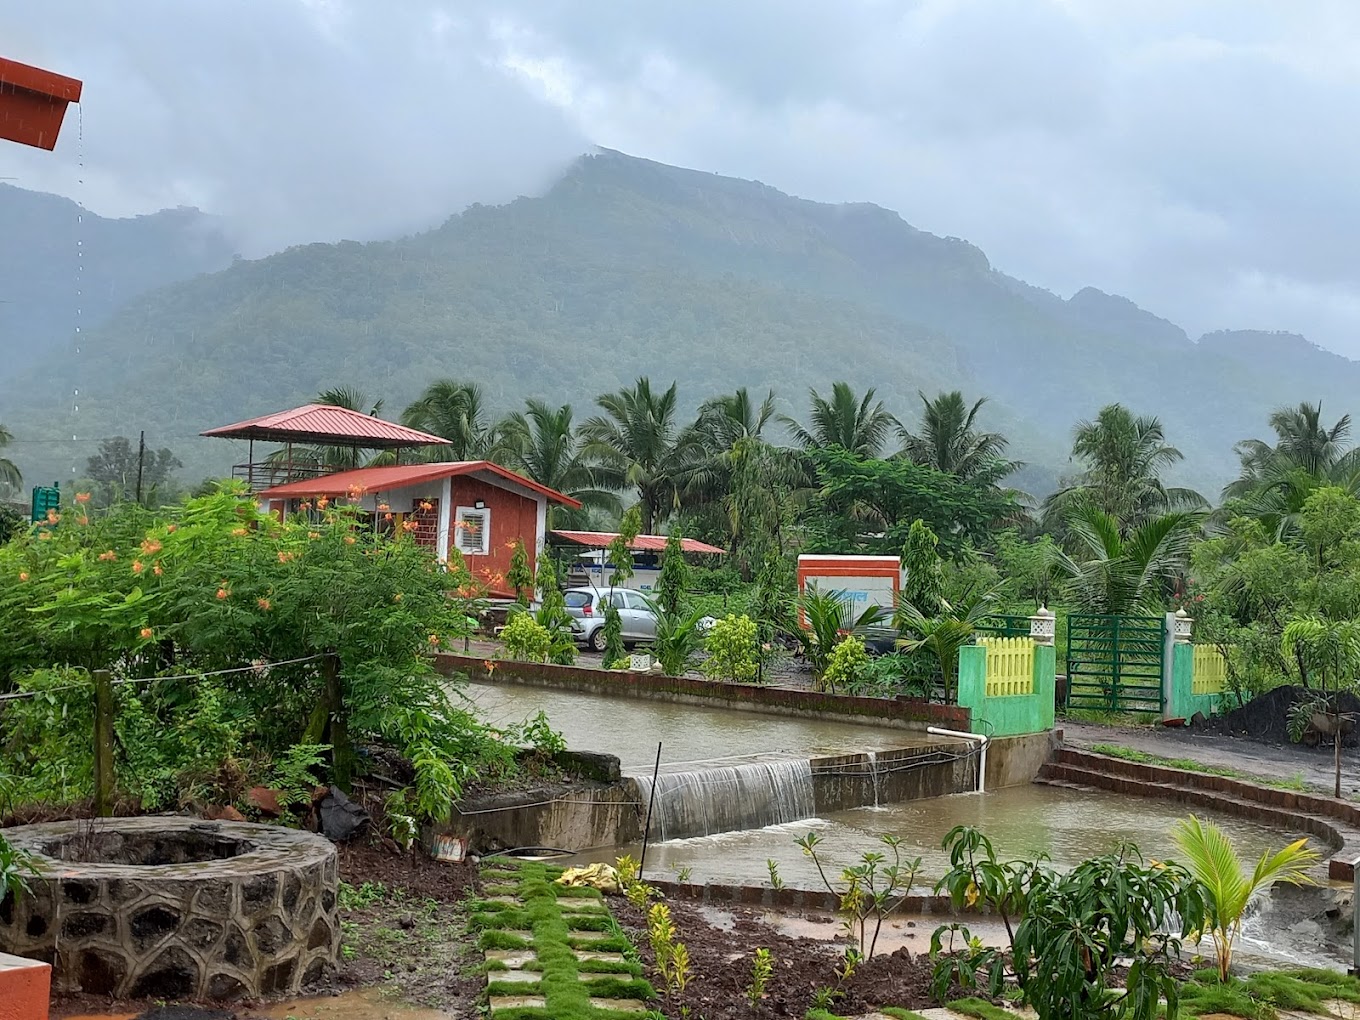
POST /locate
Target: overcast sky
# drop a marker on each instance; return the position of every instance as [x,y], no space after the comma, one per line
[1197,156]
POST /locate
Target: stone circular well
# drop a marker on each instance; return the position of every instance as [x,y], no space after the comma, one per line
[174,907]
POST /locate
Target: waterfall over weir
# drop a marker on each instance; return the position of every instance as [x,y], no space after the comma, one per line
[728,798]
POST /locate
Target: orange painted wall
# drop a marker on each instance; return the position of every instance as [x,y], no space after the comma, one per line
[512,516]
[25,987]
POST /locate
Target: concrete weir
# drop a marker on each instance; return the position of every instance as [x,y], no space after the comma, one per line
[706,798]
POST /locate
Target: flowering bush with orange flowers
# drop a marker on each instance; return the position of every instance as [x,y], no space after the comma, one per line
[214,584]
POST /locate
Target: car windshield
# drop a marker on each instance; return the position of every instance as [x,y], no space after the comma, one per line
[577,599]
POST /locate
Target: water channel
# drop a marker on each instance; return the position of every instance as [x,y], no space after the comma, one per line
[714,762]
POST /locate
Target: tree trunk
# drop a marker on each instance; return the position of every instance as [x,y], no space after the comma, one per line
[342,754]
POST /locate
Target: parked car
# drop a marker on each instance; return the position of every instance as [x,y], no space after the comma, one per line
[587,605]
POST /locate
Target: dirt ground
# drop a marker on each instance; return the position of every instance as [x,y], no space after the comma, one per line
[1273,762]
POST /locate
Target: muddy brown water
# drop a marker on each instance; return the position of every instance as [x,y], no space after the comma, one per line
[689,734]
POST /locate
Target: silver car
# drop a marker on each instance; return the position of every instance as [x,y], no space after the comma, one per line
[587,605]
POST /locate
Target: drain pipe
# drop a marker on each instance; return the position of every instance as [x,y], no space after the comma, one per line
[973,738]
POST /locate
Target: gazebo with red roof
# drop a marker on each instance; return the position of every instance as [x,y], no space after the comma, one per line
[477,507]
[314,425]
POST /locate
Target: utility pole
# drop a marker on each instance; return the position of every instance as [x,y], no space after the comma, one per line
[141,460]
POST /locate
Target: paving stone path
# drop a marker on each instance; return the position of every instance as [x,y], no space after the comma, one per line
[522,966]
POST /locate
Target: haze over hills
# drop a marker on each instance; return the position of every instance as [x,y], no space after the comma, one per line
[624,268]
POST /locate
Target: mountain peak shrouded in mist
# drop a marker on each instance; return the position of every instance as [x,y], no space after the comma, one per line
[627,267]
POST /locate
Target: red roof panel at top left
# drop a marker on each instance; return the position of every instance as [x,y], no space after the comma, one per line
[33,103]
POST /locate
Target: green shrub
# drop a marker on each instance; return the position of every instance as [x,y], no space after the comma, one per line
[731,646]
[848,662]
[526,639]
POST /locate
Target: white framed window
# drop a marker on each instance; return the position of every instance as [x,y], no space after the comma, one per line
[472,530]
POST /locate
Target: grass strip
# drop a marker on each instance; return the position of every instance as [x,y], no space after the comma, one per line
[1295,783]
[980,1008]
[493,938]
[821,1014]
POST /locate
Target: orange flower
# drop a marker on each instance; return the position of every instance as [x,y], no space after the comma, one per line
[459,525]
[238,532]
[23,575]
[511,545]
[146,633]
[137,567]
[306,504]
[107,556]
[349,540]
[434,639]
[45,536]
[53,517]
[355,491]
[157,570]
[222,593]
[82,497]
[425,504]
[409,525]
[263,604]
[151,546]
[387,517]
[82,520]
[383,506]
[464,591]
[396,597]
[323,502]
[490,666]
[170,528]
[313,534]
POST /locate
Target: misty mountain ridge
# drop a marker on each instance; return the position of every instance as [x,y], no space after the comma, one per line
[628,267]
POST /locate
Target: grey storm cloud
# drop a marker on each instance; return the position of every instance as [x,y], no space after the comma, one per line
[1194,155]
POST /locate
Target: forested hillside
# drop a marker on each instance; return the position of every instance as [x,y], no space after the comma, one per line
[626,268]
[61,268]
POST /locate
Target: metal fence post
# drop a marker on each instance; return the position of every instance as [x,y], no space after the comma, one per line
[103,743]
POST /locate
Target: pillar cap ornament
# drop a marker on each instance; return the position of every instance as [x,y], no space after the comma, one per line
[1043,626]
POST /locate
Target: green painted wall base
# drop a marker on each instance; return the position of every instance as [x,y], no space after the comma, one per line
[1181,703]
[1013,715]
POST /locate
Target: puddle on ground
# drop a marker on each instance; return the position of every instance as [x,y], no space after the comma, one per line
[358,1004]
[361,1004]
[910,930]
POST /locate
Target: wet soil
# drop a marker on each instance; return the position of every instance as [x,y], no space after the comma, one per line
[1266,717]
[720,968]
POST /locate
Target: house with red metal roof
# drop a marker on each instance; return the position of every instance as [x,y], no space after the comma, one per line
[479,508]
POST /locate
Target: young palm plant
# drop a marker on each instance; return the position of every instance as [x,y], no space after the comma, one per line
[678,639]
[942,635]
[828,617]
[1211,858]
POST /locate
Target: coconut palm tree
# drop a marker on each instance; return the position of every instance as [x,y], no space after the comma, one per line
[1120,571]
[1124,457]
[1211,858]
[1277,480]
[547,449]
[749,478]
[10,478]
[948,441]
[637,444]
[859,426]
[456,411]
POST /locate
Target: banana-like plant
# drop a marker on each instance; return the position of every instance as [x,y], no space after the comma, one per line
[1211,858]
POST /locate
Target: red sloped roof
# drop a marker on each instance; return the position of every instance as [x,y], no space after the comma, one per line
[643,543]
[324,424]
[33,103]
[385,479]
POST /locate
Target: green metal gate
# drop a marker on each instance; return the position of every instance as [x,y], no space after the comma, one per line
[1114,663]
